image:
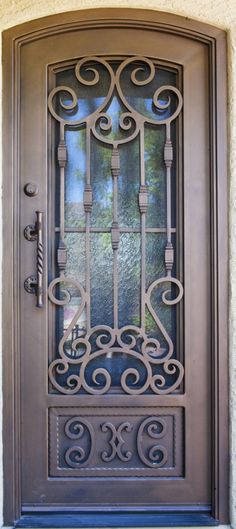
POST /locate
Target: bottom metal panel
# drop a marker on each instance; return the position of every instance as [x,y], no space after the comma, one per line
[141,441]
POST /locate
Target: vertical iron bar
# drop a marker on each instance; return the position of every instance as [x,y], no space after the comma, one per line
[62,159]
[115,232]
[143,269]
[62,163]
[88,209]
[115,296]
[168,159]
[115,200]
[115,251]
[143,200]
[62,202]
[168,183]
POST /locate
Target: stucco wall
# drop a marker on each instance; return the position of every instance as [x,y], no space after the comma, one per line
[215,12]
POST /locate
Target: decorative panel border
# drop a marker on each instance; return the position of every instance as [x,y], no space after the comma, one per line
[116,442]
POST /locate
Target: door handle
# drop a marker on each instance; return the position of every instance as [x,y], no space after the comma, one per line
[34,284]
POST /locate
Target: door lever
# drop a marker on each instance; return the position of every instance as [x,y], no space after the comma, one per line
[34,284]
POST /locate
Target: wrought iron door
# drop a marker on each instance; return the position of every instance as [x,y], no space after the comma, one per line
[115,278]
[115,258]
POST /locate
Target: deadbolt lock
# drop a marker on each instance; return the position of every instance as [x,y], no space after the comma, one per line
[31,189]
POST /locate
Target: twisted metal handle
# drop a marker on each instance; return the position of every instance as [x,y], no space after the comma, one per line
[39,288]
[34,284]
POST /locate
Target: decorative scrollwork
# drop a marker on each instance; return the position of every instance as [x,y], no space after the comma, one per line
[74,104]
[155,369]
[130,119]
[75,429]
[109,342]
[158,105]
[116,442]
[155,428]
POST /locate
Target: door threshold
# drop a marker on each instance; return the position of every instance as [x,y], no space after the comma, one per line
[116,520]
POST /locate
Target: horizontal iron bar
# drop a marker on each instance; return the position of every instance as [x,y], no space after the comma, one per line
[50,509]
[108,230]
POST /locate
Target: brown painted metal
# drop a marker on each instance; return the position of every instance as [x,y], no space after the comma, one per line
[199,474]
[124,437]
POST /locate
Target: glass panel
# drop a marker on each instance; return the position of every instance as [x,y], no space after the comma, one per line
[75,243]
[75,178]
[155,254]
[75,269]
[155,251]
[90,251]
[89,98]
[101,279]
[155,176]
[101,181]
[128,185]
[65,316]
[141,97]
[129,279]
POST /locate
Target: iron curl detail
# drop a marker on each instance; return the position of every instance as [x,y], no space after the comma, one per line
[116,441]
[155,456]
[69,106]
[75,429]
[158,105]
[90,118]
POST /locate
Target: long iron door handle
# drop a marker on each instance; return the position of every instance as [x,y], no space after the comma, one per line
[39,224]
[34,284]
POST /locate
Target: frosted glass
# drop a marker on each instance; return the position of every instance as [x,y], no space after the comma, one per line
[155,176]
[75,177]
[75,243]
[75,269]
[128,185]
[156,269]
[89,98]
[141,97]
[101,181]
[129,279]
[101,279]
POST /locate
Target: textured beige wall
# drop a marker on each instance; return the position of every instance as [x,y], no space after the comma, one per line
[215,12]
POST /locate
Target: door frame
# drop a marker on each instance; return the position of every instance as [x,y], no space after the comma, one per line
[215,40]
